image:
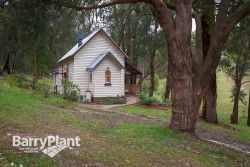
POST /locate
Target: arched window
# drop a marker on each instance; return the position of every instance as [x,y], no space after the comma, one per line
[107,76]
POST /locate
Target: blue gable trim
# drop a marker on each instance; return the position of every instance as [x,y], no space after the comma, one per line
[100,58]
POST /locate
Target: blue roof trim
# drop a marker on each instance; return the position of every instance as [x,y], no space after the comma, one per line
[100,58]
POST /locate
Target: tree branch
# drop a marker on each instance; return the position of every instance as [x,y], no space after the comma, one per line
[147,74]
[239,14]
[222,30]
[96,6]
[244,82]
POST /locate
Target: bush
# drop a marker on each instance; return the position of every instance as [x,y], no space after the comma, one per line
[18,81]
[44,89]
[146,84]
[70,90]
[114,100]
[144,99]
[167,101]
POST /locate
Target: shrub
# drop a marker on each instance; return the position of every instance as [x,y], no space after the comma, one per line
[157,82]
[114,100]
[144,99]
[168,101]
[146,84]
[44,89]
[70,90]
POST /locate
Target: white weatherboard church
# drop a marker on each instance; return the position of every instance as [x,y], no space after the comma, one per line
[98,65]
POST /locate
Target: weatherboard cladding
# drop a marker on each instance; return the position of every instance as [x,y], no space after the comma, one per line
[99,44]
[100,58]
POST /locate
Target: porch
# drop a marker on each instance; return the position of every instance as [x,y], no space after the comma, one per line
[132,78]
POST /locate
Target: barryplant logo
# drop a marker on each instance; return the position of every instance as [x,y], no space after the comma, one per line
[50,145]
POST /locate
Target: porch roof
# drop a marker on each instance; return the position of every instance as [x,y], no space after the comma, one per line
[131,68]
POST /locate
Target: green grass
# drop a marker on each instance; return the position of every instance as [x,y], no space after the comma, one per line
[140,110]
[107,139]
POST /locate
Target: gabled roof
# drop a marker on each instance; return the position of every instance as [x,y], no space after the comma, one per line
[76,48]
[100,58]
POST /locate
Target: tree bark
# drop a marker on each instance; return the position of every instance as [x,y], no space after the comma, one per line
[152,62]
[35,75]
[167,88]
[184,114]
[6,66]
[234,116]
[248,117]
[152,76]
[209,113]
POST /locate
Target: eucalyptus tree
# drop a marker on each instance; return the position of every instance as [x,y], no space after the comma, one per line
[138,33]
[189,72]
[236,62]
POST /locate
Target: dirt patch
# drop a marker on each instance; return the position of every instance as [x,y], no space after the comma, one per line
[224,139]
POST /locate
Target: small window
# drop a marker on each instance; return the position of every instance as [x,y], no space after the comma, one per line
[90,76]
[65,72]
[107,76]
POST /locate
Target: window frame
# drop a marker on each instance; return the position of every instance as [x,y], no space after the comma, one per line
[107,77]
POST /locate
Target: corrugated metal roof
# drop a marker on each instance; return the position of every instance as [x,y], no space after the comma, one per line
[101,57]
[72,51]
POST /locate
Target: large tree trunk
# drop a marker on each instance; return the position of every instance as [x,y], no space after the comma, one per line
[209,113]
[184,112]
[248,117]
[234,116]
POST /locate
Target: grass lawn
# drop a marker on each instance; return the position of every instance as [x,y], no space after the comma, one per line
[107,139]
[224,108]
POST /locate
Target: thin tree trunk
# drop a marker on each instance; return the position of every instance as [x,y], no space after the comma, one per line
[234,116]
[152,63]
[6,66]
[167,88]
[248,117]
[152,76]
[35,72]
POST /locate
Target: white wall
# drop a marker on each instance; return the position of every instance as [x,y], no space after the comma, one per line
[100,43]
[117,82]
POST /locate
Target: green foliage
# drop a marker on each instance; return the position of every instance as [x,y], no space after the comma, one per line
[157,80]
[242,98]
[70,90]
[167,101]
[114,100]
[144,99]
[18,81]
[146,84]
[44,89]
